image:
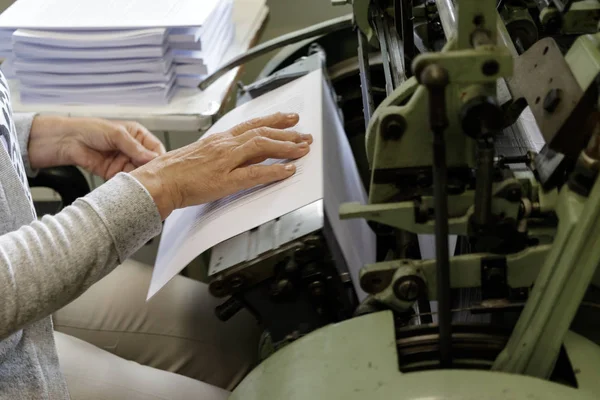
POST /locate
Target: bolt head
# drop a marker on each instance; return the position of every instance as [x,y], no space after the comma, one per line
[552,100]
[408,290]
[393,127]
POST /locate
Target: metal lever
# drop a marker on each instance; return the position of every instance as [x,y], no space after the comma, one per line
[332,25]
[435,79]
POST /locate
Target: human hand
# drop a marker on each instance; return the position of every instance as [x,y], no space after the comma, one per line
[224,163]
[100,146]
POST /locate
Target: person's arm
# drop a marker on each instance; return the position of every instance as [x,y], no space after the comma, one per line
[23,123]
[49,263]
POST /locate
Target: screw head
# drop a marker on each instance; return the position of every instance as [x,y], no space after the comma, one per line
[552,100]
[393,127]
[407,290]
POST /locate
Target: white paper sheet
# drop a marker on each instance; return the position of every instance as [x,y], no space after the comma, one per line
[343,184]
[191,69]
[427,246]
[193,230]
[107,14]
[28,50]
[96,66]
[49,79]
[153,97]
[189,81]
[92,39]
[184,35]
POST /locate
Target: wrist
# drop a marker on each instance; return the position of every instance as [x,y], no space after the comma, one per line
[46,146]
[159,191]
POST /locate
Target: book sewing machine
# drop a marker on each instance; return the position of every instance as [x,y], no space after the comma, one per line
[476,121]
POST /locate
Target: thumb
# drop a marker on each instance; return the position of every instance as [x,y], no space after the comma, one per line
[133,149]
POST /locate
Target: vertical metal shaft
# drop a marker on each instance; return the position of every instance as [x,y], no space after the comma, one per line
[440,181]
[483,187]
[385,56]
[435,78]
[403,14]
[447,16]
[364,70]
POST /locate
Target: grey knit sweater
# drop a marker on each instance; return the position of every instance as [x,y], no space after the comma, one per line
[46,264]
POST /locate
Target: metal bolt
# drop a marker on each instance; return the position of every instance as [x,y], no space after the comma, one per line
[237,282]
[345,277]
[552,100]
[408,290]
[393,127]
[433,75]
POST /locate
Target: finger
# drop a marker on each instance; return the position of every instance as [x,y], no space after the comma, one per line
[254,175]
[116,165]
[276,134]
[125,143]
[262,148]
[91,161]
[146,138]
[278,121]
[129,167]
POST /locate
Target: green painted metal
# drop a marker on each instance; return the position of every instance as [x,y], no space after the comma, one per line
[341,361]
[584,356]
[362,19]
[559,288]
[357,360]
[480,14]
[402,215]
[465,270]
[584,59]
[583,17]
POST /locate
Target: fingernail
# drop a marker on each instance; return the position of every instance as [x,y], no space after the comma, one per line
[289,167]
[292,116]
[302,145]
[306,137]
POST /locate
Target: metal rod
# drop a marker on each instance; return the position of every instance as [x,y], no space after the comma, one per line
[395,52]
[385,57]
[435,78]
[440,182]
[408,38]
[483,187]
[364,69]
[447,16]
[322,28]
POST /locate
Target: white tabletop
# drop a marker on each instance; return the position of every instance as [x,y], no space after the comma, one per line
[190,110]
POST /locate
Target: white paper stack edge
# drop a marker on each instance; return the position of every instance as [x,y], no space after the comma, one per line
[142,66]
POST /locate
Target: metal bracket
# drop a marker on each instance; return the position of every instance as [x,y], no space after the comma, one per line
[515,271]
[494,280]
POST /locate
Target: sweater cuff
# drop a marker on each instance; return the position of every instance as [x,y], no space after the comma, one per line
[128,211]
[23,122]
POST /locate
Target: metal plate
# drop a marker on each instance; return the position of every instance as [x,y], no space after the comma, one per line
[270,236]
[536,72]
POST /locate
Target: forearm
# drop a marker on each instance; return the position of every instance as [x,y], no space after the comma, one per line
[47,264]
[39,139]
[45,147]
[23,125]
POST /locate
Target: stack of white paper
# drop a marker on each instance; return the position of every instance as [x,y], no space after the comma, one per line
[198,52]
[121,53]
[327,172]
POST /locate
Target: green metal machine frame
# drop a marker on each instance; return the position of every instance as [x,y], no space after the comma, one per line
[358,358]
